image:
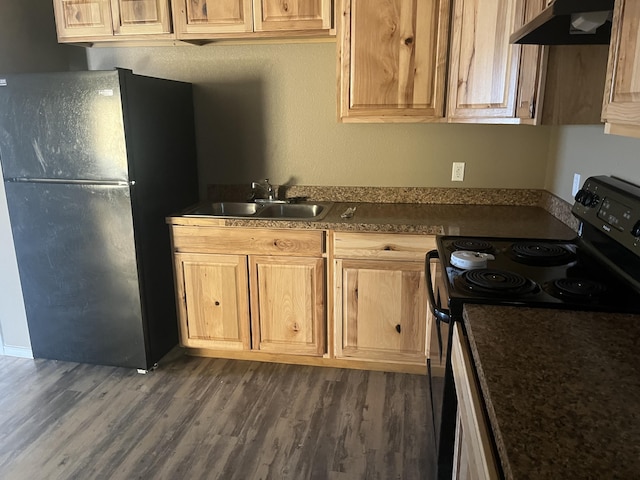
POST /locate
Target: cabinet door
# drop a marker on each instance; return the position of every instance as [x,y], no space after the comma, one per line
[287,304]
[82,18]
[134,17]
[621,108]
[381,310]
[213,300]
[278,15]
[392,61]
[531,66]
[473,454]
[197,18]
[483,77]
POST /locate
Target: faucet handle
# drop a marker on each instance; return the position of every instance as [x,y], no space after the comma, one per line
[266,186]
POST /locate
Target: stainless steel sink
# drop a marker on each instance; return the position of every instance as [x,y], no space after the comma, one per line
[292,210]
[226,209]
[274,211]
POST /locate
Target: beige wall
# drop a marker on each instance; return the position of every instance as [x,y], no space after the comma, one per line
[270,111]
[27,44]
[588,151]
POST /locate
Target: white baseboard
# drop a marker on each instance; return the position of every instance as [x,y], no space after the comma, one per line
[22,352]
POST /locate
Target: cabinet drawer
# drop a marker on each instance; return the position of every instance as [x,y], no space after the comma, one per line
[391,246]
[197,239]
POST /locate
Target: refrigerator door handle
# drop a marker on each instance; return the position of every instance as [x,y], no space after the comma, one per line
[116,183]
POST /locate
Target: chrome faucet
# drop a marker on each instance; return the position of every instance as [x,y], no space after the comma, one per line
[266,186]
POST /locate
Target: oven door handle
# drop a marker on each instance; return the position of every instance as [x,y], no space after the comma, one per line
[441,314]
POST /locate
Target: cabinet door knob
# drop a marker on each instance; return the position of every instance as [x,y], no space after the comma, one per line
[398,329]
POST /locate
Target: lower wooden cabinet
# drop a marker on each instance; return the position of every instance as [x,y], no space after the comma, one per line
[382,310]
[250,289]
[214,290]
[380,307]
[473,453]
[287,304]
[264,294]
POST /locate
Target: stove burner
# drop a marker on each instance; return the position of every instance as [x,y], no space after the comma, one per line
[543,254]
[577,288]
[501,282]
[472,245]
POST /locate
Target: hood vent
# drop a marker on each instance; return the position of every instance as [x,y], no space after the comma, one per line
[569,22]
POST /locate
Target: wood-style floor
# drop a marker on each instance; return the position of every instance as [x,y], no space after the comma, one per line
[200,418]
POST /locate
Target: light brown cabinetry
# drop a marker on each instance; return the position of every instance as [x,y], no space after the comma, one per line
[473,452]
[288,314]
[621,107]
[214,306]
[392,60]
[532,66]
[216,19]
[230,281]
[380,309]
[107,20]
[278,15]
[484,66]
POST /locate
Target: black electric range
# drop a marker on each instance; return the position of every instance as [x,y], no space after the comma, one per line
[598,270]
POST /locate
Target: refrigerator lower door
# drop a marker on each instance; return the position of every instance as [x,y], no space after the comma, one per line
[77,261]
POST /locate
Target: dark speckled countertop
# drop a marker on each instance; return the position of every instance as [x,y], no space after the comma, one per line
[477,220]
[562,390]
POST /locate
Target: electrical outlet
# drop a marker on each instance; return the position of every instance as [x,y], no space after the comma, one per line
[576,184]
[457,172]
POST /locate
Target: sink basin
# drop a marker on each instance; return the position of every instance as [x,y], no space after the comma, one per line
[272,211]
[292,210]
[226,209]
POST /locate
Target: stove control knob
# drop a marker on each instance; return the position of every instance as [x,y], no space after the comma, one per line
[595,200]
[635,231]
[580,195]
[588,198]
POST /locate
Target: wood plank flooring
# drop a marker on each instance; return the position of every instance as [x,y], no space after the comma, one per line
[204,418]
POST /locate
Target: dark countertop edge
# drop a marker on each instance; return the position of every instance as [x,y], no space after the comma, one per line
[494,424]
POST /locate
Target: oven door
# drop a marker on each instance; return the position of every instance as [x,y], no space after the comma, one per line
[442,391]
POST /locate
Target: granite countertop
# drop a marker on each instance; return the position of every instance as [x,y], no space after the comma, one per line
[562,390]
[434,219]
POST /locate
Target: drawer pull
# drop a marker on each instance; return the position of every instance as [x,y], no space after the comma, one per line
[398,329]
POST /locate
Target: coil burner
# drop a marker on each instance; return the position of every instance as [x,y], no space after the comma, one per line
[472,245]
[495,282]
[543,254]
[576,288]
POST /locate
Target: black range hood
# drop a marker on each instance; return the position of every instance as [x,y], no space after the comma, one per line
[553,25]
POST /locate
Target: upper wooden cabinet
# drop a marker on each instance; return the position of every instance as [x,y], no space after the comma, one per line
[621,107]
[90,20]
[135,17]
[279,15]
[213,19]
[193,20]
[531,67]
[484,66]
[199,18]
[392,60]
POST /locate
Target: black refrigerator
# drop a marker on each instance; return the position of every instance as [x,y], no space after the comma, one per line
[93,162]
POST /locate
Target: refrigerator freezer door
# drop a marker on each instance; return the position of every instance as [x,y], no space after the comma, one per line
[76,256]
[62,126]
